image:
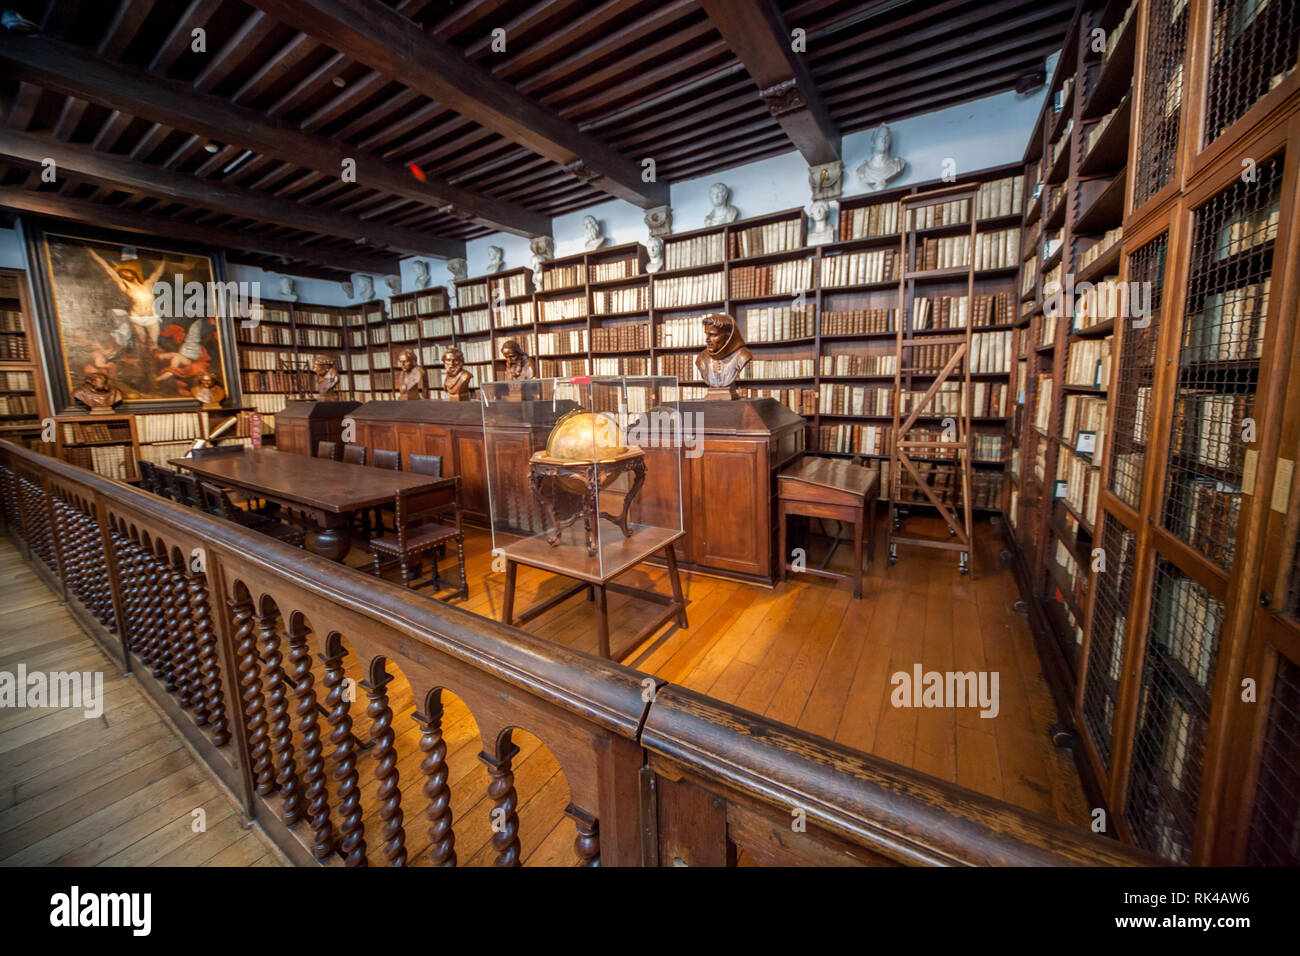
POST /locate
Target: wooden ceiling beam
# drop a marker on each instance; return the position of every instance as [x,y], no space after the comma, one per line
[373,33]
[98,214]
[119,171]
[74,72]
[181,35]
[761,41]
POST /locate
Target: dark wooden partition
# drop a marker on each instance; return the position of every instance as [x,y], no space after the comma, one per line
[245,643]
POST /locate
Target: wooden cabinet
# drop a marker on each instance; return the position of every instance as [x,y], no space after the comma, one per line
[302,426]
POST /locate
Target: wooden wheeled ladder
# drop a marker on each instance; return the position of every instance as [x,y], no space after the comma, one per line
[954,444]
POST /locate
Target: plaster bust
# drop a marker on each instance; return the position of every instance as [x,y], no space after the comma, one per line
[542,249]
[98,394]
[347,288]
[819,230]
[883,165]
[287,292]
[724,356]
[518,364]
[327,377]
[458,269]
[394,283]
[208,392]
[455,378]
[722,211]
[410,378]
[365,287]
[496,258]
[593,237]
[421,274]
[655,250]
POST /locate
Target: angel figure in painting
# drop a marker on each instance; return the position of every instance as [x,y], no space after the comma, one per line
[187,360]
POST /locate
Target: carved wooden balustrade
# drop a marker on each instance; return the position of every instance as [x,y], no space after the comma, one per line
[318,696]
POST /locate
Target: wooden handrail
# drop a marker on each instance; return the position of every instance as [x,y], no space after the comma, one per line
[635,751]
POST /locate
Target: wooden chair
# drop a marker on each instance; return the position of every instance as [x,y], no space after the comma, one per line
[426,465]
[190,494]
[328,449]
[392,460]
[354,454]
[418,532]
[150,480]
[218,504]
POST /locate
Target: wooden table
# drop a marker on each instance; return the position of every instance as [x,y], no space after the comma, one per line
[594,574]
[829,488]
[328,492]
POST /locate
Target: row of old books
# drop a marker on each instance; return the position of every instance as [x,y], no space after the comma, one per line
[563,277]
[1207,519]
[357,340]
[680,333]
[169,426]
[854,439]
[319,338]
[381,360]
[849,365]
[941,214]
[286,382]
[859,268]
[611,301]
[379,336]
[1079,483]
[404,331]
[1103,302]
[1101,246]
[79,433]
[328,319]
[263,334]
[436,328]
[953,311]
[990,353]
[697,251]
[1085,414]
[110,461]
[265,361]
[681,365]
[621,337]
[858,321]
[1186,624]
[838,399]
[784,236]
[515,314]
[431,356]
[477,351]
[880,219]
[16,381]
[686,291]
[801,401]
[471,294]
[267,404]
[11,320]
[476,321]
[623,365]
[511,286]
[778,368]
[18,405]
[780,278]
[617,269]
[987,447]
[1207,428]
[13,348]
[560,343]
[1043,405]
[1097,129]
[778,324]
[1251,229]
[561,368]
[988,399]
[1088,365]
[1001,197]
[360,362]
[997,250]
[1229,325]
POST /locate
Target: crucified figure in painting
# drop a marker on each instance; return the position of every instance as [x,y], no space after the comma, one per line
[141,323]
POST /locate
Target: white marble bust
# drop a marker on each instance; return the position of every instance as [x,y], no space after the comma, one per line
[883,165]
[286,289]
[819,229]
[722,211]
[593,236]
[496,259]
[422,279]
[655,248]
[365,287]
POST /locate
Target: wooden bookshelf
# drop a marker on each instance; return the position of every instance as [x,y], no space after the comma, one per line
[276,355]
[1161,568]
[24,404]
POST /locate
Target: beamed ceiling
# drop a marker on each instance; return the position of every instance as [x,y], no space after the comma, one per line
[242,145]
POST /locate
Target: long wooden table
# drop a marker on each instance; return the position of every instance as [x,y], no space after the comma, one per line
[329,492]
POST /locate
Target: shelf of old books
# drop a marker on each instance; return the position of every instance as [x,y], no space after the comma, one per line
[22,392]
[105,444]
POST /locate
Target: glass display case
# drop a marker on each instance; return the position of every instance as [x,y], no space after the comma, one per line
[584,474]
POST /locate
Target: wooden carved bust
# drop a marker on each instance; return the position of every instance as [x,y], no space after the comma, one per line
[208,392]
[98,394]
[455,378]
[724,355]
[327,377]
[518,364]
[410,376]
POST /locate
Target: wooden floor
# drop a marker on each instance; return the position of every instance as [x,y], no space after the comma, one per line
[118,790]
[805,653]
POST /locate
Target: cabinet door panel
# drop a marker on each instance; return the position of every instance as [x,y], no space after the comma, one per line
[730,506]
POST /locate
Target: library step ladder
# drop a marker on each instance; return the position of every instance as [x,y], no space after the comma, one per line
[916,453]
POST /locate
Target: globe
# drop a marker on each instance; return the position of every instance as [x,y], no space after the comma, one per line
[586,437]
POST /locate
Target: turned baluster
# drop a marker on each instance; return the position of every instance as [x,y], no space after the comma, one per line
[164,620]
[150,611]
[442,840]
[130,596]
[212,709]
[390,791]
[250,687]
[352,838]
[505,803]
[587,843]
[176,613]
[314,793]
[185,656]
[280,725]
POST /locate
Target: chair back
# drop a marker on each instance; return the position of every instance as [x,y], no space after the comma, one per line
[148,476]
[392,460]
[215,500]
[426,465]
[189,488]
[328,449]
[354,454]
[171,486]
[414,507]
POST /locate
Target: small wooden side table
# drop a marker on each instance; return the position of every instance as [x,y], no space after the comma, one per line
[830,488]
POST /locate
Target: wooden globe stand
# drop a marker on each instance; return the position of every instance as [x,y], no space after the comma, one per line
[584,480]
